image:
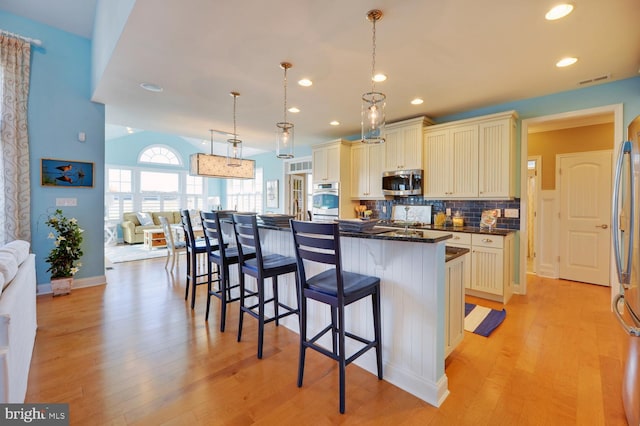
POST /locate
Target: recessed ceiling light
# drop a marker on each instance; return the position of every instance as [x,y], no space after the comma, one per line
[129,130]
[294,110]
[335,123]
[565,62]
[151,87]
[417,101]
[305,82]
[379,77]
[559,11]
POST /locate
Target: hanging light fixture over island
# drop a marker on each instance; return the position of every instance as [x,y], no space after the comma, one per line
[373,103]
[284,134]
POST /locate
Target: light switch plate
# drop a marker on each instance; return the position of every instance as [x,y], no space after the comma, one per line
[511,213]
[61,202]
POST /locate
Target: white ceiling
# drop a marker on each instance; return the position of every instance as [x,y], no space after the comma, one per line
[456,54]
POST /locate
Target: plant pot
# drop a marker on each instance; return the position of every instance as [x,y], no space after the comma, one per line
[61,286]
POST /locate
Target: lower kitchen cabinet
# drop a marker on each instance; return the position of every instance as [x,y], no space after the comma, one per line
[491,269]
[455,277]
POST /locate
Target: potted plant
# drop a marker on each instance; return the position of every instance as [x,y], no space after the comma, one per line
[64,258]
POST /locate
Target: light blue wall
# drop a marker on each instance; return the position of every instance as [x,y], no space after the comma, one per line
[59,108]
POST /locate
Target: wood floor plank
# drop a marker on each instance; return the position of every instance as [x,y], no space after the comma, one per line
[134,353]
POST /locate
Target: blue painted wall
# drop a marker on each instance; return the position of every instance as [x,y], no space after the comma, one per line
[59,108]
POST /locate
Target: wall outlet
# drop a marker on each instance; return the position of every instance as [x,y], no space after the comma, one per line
[511,213]
[448,211]
[384,208]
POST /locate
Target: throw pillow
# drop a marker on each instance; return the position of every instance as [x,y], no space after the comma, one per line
[8,266]
[145,219]
[18,248]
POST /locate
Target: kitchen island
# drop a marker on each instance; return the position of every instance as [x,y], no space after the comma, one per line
[412,270]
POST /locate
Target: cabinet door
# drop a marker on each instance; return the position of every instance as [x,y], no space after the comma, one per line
[454,303]
[410,148]
[495,159]
[392,162]
[438,160]
[359,171]
[333,163]
[464,141]
[487,270]
[376,162]
[319,167]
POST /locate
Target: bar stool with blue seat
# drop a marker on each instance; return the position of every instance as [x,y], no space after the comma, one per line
[222,257]
[195,247]
[261,265]
[319,243]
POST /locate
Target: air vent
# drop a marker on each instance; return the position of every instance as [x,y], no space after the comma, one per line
[595,79]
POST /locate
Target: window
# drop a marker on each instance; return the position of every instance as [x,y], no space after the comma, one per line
[159,155]
[245,194]
[159,181]
[119,180]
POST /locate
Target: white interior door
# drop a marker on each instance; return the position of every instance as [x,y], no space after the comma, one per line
[297,197]
[584,180]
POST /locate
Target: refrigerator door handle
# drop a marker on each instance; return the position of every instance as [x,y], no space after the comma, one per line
[624,273]
[632,331]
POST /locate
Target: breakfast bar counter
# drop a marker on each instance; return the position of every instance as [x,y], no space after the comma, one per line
[411,269]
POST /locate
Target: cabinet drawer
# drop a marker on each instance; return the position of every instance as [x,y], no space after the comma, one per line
[460,238]
[479,240]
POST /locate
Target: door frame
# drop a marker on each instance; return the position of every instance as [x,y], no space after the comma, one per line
[536,208]
[618,138]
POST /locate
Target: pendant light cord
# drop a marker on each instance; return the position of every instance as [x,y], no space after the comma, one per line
[373,57]
[235,134]
[285,94]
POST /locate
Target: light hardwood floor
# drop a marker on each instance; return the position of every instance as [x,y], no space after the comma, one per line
[132,352]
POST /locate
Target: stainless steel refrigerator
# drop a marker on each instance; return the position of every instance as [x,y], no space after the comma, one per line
[626,238]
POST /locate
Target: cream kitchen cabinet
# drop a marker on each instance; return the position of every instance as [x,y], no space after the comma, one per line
[491,264]
[403,145]
[331,163]
[491,267]
[367,165]
[454,285]
[472,158]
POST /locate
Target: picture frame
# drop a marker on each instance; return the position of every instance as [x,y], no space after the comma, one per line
[272,194]
[66,173]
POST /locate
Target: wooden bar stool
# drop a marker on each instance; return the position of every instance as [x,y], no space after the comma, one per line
[262,265]
[194,248]
[220,254]
[319,243]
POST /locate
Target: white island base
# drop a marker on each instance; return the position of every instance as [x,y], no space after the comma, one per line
[412,276]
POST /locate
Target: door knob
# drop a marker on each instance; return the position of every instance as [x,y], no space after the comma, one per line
[605,226]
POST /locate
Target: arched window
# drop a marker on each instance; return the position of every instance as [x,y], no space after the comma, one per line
[158,154]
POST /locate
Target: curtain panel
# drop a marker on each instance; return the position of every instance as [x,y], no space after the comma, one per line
[15,190]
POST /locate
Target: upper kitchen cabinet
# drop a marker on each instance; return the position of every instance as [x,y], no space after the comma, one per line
[367,165]
[331,162]
[403,145]
[471,159]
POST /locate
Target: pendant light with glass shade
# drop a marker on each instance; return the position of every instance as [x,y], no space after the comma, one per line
[373,103]
[284,134]
[234,145]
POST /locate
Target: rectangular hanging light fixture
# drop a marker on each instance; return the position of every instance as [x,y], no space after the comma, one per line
[215,166]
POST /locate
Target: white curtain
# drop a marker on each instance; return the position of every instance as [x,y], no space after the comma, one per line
[15,191]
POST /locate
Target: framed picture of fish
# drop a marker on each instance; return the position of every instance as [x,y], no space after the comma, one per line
[63,173]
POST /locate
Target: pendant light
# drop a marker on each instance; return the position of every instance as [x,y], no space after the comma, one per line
[373,103]
[215,166]
[234,145]
[284,134]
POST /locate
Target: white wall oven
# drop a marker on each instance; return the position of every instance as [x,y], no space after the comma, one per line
[326,198]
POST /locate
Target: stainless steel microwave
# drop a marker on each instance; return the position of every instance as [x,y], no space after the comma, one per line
[402,182]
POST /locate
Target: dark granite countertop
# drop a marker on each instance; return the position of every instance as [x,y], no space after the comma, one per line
[455,252]
[384,233]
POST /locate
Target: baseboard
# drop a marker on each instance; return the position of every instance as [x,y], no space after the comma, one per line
[77,283]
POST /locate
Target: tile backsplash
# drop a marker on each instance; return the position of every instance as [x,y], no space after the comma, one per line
[470,210]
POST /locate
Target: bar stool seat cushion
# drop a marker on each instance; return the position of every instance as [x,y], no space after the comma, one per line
[270,261]
[354,283]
